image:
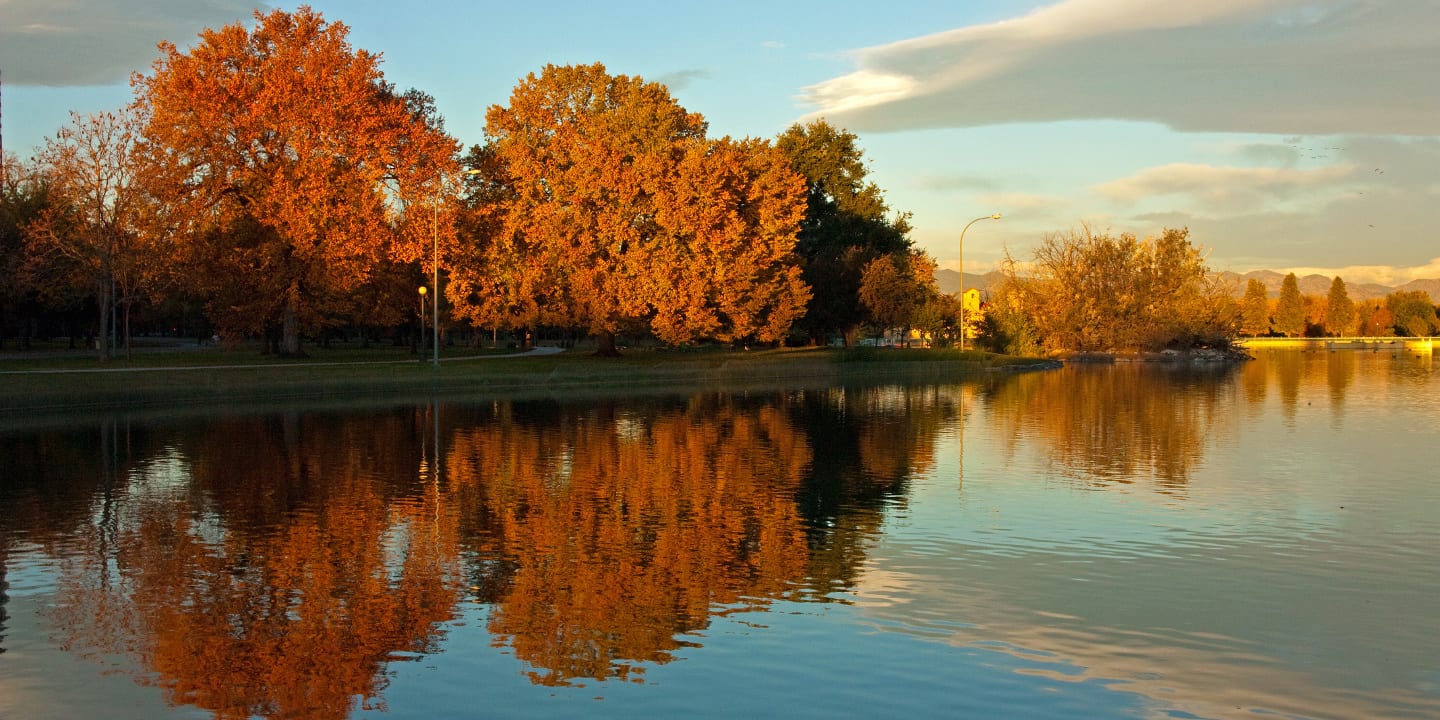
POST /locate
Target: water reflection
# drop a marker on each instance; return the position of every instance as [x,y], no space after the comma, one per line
[285,565]
[1131,422]
[606,538]
[265,569]
[274,565]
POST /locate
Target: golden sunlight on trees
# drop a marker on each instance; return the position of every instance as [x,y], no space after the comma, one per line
[1089,292]
[893,294]
[287,164]
[1255,309]
[90,235]
[1339,310]
[1290,309]
[1413,313]
[614,212]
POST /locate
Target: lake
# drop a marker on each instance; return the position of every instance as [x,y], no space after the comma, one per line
[1126,541]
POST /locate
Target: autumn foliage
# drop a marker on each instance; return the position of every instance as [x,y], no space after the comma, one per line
[286,166]
[617,213]
[1088,291]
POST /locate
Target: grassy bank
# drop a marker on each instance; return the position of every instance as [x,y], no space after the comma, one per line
[212,377]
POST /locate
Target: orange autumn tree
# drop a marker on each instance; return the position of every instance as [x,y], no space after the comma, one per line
[91,234]
[287,163]
[619,214]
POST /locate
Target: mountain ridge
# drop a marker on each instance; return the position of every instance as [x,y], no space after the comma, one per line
[1313,284]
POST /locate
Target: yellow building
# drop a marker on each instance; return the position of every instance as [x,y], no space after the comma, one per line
[974,312]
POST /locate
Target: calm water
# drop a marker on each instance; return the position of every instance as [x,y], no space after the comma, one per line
[1091,542]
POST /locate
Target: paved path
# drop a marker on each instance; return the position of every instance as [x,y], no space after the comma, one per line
[532,352]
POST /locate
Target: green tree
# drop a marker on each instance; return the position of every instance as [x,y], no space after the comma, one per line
[1255,310]
[939,319]
[1290,312]
[1413,313]
[847,226]
[1339,310]
[24,197]
[1008,328]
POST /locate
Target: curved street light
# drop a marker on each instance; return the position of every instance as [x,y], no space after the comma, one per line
[996,216]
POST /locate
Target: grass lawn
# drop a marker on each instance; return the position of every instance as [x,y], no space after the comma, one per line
[48,380]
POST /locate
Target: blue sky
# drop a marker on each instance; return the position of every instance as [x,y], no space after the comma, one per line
[1286,134]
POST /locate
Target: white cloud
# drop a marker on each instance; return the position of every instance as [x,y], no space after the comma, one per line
[100,42]
[1267,66]
[772,44]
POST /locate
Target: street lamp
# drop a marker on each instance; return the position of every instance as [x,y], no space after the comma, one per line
[422,322]
[996,216]
[435,260]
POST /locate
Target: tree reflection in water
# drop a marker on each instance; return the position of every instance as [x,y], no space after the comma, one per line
[608,535]
[1114,424]
[274,565]
[274,575]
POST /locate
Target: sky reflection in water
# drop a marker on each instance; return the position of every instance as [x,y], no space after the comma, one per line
[1127,541]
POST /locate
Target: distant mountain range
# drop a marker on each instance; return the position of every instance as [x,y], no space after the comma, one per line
[949,282]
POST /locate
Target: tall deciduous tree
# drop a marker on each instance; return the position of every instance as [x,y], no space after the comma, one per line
[93,223]
[1290,311]
[1255,309]
[847,225]
[289,165]
[1339,310]
[613,211]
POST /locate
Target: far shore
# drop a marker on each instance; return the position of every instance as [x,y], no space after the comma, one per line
[34,388]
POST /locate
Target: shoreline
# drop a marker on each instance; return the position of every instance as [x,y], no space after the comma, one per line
[46,395]
[1205,356]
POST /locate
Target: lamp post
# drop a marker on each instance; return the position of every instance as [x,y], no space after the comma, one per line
[422,291]
[435,262]
[996,216]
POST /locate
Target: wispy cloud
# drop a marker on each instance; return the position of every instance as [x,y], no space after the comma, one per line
[1223,187]
[772,44]
[1269,66]
[1012,203]
[100,42]
[681,79]
[946,183]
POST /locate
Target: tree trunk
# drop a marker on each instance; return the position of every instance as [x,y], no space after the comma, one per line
[104,297]
[290,339]
[605,344]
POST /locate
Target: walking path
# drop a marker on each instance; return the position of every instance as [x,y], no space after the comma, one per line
[537,351]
